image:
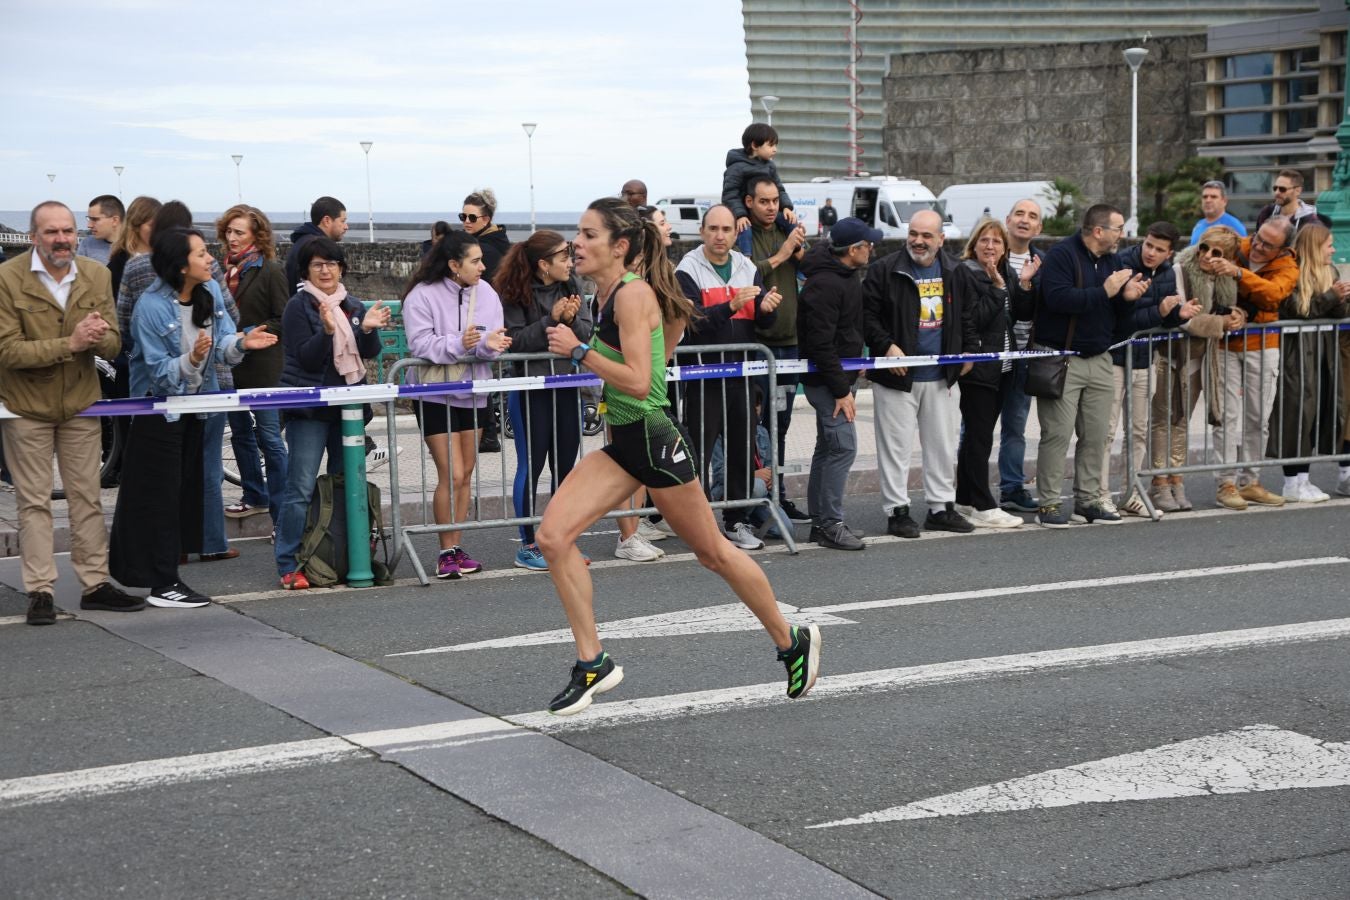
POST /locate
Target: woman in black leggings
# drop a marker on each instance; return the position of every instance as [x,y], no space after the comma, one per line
[538,291]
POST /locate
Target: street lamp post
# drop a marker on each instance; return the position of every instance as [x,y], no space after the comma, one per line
[1335,202]
[768,101]
[238,184]
[370,204]
[1134,58]
[529,139]
[118,170]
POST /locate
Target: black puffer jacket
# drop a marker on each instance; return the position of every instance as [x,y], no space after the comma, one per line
[495,243]
[829,319]
[988,315]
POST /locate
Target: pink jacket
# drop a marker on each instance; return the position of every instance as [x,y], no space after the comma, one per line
[434,319]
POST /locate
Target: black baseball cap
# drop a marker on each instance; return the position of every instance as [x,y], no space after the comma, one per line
[849,231]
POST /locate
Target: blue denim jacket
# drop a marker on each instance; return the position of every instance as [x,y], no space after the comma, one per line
[157,362]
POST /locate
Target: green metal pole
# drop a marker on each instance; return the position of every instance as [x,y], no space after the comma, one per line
[358,512]
[1335,203]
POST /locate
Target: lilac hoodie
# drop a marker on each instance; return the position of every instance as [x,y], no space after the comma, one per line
[434,318]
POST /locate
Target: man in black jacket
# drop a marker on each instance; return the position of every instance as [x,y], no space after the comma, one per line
[1084,288]
[913,305]
[829,328]
[327,218]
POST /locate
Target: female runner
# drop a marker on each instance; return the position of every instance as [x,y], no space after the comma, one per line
[647,448]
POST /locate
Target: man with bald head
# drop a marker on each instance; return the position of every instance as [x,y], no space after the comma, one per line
[913,305]
[634,193]
[1024,224]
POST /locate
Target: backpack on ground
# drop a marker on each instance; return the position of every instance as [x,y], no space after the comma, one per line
[322,555]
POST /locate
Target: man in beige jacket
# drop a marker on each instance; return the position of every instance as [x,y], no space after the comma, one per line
[56,313]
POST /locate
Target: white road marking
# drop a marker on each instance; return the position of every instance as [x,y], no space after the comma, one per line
[1086,583]
[86,783]
[437,731]
[649,709]
[704,620]
[734,616]
[1249,760]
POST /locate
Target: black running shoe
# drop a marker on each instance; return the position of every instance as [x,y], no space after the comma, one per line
[177,596]
[793,513]
[901,525]
[41,608]
[585,684]
[802,660]
[109,598]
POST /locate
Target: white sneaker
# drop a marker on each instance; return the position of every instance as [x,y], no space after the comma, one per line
[1311,493]
[743,536]
[649,532]
[992,518]
[1134,506]
[638,550]
[964,510]
[379,457]
[1343,485]
[1291,493]
[664,527]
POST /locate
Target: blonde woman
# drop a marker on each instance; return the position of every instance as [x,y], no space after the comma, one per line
[1305,420]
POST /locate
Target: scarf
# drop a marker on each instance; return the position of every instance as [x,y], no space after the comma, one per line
[235,266]
[346,358]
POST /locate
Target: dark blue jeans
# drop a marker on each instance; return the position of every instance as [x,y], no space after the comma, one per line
[1012,444]
[306,442]
[249,432]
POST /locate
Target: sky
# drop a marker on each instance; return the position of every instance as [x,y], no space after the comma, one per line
[171,90]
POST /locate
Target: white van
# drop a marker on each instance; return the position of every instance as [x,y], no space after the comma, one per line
[685,213]
[966,204]
[883,201]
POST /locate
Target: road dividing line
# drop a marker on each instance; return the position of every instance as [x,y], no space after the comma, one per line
[1085,583]
[650,709]
[735,617]
[1249,760]
[86,783]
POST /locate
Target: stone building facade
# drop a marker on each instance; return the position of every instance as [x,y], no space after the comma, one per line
[1040,112]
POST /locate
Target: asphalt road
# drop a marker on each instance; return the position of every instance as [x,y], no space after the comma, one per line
[1163,711]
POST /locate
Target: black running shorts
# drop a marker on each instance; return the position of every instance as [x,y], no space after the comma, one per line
[656,451]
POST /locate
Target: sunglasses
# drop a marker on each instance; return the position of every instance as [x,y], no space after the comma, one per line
[1207,250]
[470,218]
[1281,190]
[564,251]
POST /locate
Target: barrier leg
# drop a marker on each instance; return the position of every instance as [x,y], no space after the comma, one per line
[358,513]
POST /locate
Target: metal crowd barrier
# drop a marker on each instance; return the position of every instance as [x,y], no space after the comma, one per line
[722,384]
[1250,399]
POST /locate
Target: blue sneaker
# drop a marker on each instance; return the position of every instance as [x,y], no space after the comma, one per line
[1053,516]
[529,557]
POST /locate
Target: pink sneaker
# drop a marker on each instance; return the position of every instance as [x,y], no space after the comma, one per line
[467,564]
[447,566]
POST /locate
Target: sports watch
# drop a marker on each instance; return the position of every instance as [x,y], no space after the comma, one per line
[579,353]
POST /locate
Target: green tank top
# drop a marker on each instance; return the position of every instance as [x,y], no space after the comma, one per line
[620,408]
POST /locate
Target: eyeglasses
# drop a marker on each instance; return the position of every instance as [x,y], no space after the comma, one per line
[1279,189]
[1258,241]
[1111,227]
[1207,250]
[323,265]
[470,218]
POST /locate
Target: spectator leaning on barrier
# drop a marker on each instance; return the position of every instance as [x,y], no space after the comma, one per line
[1288,190]
[182,333]
[1190,365]
[56,313]
[538,291]
[914,304]
[328,336]
[1159,306]
[996,300]
[1266,272]
[830,329]
[777,257]
[1214,205]
[258,282]
[327,218]
[1083,286]
[452,315]
[1023,223]
[729,293]
[105,224]
[1306,416]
